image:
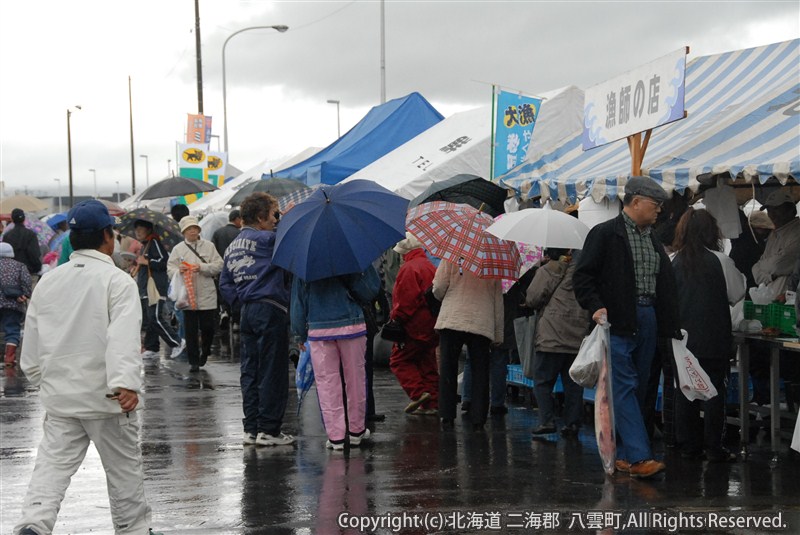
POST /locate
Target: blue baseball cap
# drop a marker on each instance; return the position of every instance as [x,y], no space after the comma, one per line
[89,216]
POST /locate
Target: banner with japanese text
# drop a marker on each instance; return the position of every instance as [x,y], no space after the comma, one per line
[198,128]
[641,99]
[514,120]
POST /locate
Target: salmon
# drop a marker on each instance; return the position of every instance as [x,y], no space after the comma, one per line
[604,417]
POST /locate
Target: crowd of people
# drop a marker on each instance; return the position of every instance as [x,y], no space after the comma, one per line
[647,287]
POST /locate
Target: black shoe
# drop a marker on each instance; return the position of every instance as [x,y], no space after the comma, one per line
[570,430]
[194,368]
[447,424]
[376,417]
[28,531]
[500,410]
[721,456]
[465,406]
[544,430]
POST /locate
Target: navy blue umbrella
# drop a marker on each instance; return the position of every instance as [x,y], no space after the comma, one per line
[339,229]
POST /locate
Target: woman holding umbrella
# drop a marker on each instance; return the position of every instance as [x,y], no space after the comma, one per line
[328,313]
[152,264]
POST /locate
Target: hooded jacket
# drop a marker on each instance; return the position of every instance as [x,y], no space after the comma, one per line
[409,306]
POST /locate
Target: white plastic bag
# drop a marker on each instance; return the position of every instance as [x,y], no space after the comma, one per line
[586,368]
[693,381]
[177,291]
[763,295]
[604,418]
[796,436]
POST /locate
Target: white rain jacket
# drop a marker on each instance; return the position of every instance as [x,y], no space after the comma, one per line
[82,337]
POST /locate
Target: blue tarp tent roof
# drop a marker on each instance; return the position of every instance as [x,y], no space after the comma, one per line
[382,130]
[742,123]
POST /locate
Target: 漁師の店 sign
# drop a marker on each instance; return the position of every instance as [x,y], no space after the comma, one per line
[641,99]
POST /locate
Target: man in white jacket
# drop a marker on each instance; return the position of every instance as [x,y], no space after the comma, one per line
[82,350]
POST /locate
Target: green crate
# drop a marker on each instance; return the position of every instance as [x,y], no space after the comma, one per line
[783,317]
[757,312]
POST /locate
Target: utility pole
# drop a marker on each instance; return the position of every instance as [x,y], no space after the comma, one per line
[199,58]
[133,166]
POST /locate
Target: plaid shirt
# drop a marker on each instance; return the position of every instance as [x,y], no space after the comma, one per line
[646,262]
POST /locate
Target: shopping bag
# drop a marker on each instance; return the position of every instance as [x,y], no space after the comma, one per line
[525,333]
[153,294]
[188,298]
[177,291]
[585,370]
[692,379]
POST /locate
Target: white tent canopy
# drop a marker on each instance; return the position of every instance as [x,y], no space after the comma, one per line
[217,200]
[461,143]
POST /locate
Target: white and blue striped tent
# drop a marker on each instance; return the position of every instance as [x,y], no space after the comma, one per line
[743,122]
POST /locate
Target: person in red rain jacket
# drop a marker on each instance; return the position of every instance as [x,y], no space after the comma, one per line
[413,362]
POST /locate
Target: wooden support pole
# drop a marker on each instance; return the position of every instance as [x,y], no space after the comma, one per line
[637,149]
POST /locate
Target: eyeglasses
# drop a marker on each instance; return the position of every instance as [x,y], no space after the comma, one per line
[659,204]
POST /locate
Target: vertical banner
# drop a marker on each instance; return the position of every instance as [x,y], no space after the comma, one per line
[514,119]
[197,162]
[198,128]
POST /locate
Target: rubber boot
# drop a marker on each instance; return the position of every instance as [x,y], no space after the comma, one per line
[11,355]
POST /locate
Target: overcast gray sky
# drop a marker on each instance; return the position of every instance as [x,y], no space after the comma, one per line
[55,54]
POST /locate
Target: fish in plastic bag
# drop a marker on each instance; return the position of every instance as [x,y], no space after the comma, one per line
[604,416]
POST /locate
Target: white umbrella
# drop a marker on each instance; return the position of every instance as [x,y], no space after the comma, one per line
[541,226]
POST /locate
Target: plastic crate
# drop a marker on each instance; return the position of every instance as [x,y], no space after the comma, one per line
[783,317]
[757,312]
[514,376]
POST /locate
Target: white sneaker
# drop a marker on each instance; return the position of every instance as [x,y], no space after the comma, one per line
[355,440]
[149,355]
[249,439]
[177,350]
[339,446]
[264,439]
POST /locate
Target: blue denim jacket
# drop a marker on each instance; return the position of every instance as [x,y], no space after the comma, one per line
[327,303]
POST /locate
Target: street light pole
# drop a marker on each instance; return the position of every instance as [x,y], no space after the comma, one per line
[95,181]
[117,190]
[69,152]
[59,194]
[338,123]
[146,168]
[280,28]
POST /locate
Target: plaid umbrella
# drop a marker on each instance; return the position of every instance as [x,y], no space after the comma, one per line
[455,232]
[164,226]
[297,196]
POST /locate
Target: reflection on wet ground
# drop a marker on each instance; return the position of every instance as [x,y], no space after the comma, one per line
[200,479]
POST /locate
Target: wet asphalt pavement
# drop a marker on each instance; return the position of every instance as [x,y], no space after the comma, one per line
[201,480]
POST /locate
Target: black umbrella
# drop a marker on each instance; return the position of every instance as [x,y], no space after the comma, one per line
[466,189]
[164,226]
[175,187]
[277,187]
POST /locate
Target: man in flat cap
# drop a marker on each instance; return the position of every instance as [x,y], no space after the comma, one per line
[783,245]
[624,277]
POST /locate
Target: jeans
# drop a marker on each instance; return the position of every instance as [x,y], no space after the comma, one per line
[264,365]
[498,371]
[631,357]
[480,349]
[10,322]
[547,367]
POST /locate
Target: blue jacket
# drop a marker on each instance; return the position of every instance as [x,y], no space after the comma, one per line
[248,274]
[328,303]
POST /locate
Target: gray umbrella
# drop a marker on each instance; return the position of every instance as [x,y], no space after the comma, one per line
[466,189]
[176,186]
[277,187]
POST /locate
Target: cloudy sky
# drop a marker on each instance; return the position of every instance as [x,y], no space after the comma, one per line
[56,54]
